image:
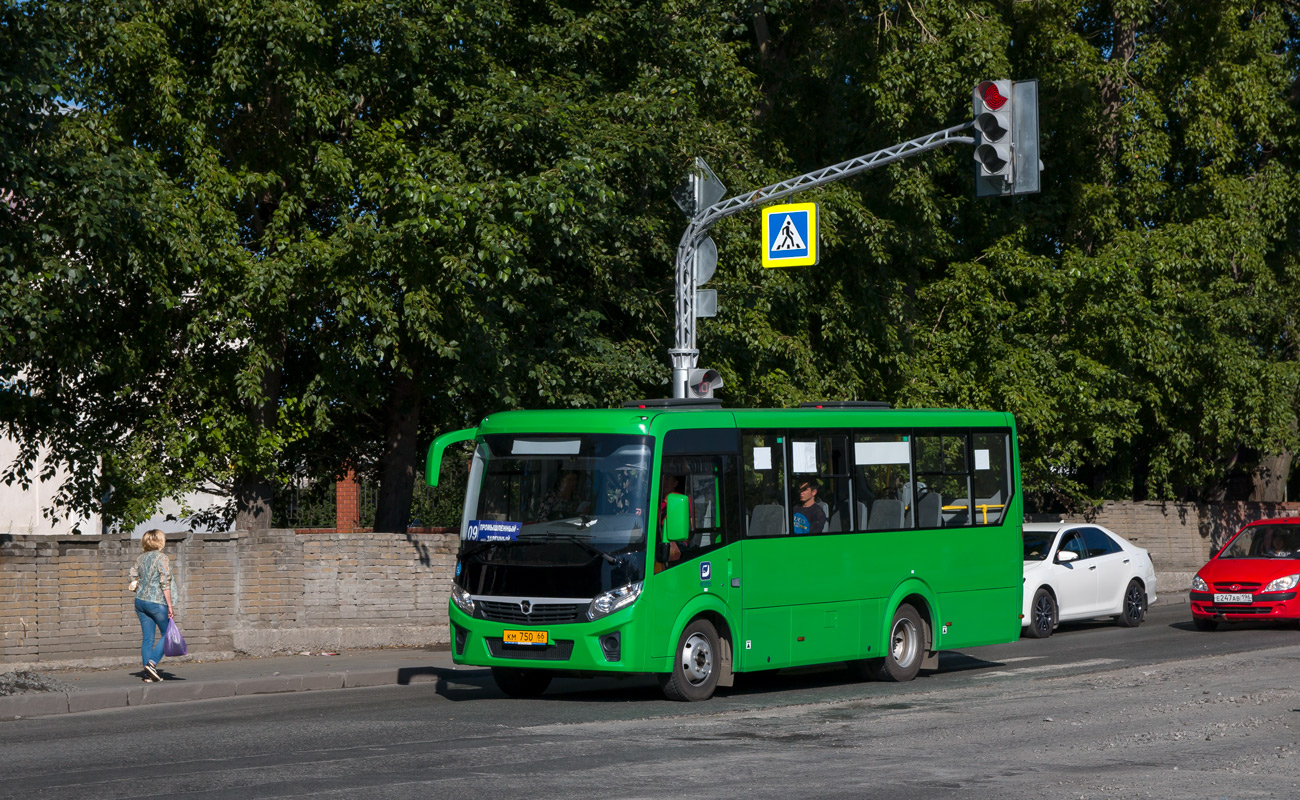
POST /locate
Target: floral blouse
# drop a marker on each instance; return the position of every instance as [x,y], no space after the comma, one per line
[154,571]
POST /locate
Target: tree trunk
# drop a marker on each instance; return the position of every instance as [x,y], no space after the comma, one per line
[253,490]
[398,461]
[1270,477]
[253,504]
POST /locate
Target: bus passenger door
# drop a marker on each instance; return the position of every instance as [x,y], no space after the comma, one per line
[701,464]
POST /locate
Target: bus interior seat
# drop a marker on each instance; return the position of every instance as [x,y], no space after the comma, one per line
[767,520]
[929,511]
[886,515]
[835,519]
[957,517]
[840,520]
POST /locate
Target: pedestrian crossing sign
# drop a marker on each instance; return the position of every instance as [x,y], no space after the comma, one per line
[790,235]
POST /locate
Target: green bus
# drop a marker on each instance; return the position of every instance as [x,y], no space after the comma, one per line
[693,542]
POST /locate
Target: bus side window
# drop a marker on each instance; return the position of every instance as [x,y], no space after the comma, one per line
[821,460]
[766,513]
[991,479]
[882,477]
[710,480]
[941,494]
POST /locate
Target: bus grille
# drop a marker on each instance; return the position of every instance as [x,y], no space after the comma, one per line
[542,613]
[560,651]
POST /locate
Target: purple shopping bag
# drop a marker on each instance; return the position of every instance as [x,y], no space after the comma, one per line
[173,642]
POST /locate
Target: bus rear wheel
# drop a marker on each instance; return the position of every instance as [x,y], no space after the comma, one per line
[906,648]
[695,665]
[521,682]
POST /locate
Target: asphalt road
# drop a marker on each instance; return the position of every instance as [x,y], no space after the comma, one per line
[1095,711]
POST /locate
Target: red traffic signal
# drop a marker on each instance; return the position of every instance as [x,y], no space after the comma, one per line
[993,98]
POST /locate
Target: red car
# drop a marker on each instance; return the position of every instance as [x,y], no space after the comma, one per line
[1254,577]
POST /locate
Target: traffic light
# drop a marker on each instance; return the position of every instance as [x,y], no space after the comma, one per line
[994,157]
[702,382]
[1006,138]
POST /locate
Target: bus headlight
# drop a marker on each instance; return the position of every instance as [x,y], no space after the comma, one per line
[1198,585]
[1283,584]
[609,602]
[462,599]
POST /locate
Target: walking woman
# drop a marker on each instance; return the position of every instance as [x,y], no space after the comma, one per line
[152,575]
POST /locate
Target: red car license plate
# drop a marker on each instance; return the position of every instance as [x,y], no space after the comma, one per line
[1234,598]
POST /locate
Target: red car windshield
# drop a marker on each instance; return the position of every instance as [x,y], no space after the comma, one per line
[1265,541]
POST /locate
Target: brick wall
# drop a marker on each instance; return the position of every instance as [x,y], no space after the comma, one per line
[63,599]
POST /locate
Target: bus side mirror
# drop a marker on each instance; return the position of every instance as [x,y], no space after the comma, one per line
[677,518]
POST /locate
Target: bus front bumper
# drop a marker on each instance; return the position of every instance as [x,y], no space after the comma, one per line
[608,644]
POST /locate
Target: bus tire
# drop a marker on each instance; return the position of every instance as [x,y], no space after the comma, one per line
[521,682]
[905,649]
[696,664]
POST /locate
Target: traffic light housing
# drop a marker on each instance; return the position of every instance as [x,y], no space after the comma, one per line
[993,104]
[702,382]
[1006,138]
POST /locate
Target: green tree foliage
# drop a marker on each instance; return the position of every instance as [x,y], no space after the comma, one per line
[349,212]
[276,238]
[1137,316]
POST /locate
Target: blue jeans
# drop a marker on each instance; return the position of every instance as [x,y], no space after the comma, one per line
[151,615]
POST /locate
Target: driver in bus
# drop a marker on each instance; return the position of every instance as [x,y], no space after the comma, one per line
[671,484]
[562,502]
[809,516]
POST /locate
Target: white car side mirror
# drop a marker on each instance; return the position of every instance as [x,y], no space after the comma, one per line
[1066,556]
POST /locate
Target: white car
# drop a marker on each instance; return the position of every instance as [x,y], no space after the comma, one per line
[1079,571]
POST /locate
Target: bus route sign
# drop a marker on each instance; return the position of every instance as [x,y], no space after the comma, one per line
[790,235]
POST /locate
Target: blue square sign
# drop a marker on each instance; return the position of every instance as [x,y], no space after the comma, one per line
[790,235]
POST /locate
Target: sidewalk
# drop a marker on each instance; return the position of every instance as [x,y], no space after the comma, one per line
[184,680]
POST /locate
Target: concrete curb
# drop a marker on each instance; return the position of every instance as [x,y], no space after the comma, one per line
[41,704]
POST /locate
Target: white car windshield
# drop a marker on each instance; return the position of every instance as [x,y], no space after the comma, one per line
[1037,544]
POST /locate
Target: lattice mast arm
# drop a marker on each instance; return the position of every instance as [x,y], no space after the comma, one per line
[684,354]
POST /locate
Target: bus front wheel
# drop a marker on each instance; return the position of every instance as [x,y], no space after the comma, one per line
[695,665]
[906,648]
[521,682]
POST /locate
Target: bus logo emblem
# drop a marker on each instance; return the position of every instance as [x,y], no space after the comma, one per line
[706,570]
[525,606]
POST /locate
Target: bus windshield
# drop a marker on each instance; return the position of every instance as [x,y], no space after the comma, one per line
[555,515]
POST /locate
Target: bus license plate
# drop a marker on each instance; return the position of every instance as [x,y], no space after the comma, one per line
[524,637]
[1233,598]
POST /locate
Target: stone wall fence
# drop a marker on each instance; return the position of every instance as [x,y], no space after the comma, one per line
[64,601]
[1181,537]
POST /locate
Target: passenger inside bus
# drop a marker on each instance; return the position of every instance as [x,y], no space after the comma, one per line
[809,516]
